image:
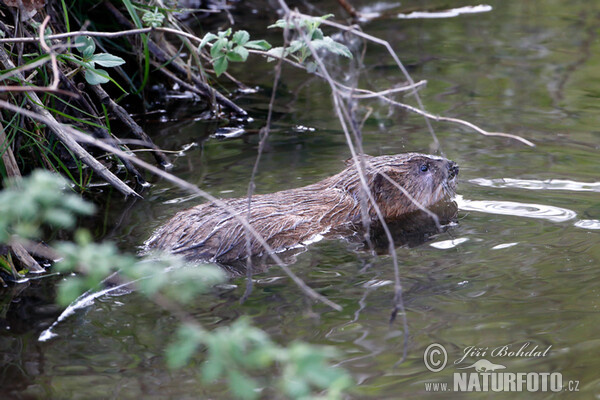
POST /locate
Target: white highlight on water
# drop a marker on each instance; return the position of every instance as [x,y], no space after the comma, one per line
[528,210]
[448,244]
[453,12]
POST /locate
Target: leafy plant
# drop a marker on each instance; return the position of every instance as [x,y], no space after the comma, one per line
[299,48]
[153,18]
[88,60]
[234,353]
[235,350]
[223,50]
[27,204]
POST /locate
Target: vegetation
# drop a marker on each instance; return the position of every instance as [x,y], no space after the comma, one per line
[50,79]
[53,63]
[234,352]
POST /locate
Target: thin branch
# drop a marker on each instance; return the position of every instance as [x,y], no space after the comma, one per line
[137,131]
[457,121]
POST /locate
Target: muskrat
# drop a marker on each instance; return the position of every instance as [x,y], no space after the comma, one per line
[292,217]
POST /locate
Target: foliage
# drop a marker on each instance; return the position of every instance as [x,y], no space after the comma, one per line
[235,49]
[88,60]
[299,48]
[234,353]
[153,18]
[240,347]
[27,204]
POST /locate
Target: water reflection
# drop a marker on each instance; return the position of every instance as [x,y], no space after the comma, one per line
[533,184]
[528,210]
[453,12]
[588,224]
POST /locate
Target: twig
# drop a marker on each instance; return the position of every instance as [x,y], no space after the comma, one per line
[387,45]
[457,121]
[53,88]
[137,131]
[8,158]
[100,131]
[163,58]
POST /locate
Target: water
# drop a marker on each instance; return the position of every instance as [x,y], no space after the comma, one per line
[521,266]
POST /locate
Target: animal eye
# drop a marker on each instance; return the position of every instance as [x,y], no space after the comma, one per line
[424,168]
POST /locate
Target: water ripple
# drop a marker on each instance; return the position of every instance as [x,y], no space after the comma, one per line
[448,244]
[528,210]
[532,184]
[454,12]
[588,224]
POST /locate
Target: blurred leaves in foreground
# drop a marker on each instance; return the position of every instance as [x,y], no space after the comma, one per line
[240,355]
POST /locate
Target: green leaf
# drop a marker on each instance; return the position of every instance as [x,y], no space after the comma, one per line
[153,18]
[311,67]
[85,45]
[281,23]
[276,52]
[220,64]
[296,45]
[241,37]
[107,60]
[317,34]
[258,45]
[215,51]
[331,45]
[242,386]
[183,348]
[95,76]
[238,54]
[209,37]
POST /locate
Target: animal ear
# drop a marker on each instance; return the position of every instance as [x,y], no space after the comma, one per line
[379,184]
[350,161]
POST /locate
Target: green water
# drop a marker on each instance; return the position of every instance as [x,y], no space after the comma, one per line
[524,265]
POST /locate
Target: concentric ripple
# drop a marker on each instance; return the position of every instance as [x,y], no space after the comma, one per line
[528,210]
[532,184]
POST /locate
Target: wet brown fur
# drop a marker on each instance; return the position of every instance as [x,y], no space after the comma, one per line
[288,218]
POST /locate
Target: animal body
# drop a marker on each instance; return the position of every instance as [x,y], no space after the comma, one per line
[292,217]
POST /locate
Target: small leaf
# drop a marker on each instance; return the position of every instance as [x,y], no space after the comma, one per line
[296,45]
[281,23]
[331,45]
[107,60]
[220,64]
[215,51]
[85,45]
[95,76]
[311,67]
[241,385]
[317,34]
[239,54]
[179,352]
[276,52]
[206,39]
[153,18]
[258,45]
[241,37]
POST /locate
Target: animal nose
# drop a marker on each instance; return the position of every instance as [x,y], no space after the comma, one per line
[452,169]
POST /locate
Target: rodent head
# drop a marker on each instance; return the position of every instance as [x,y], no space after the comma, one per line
[395,179]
